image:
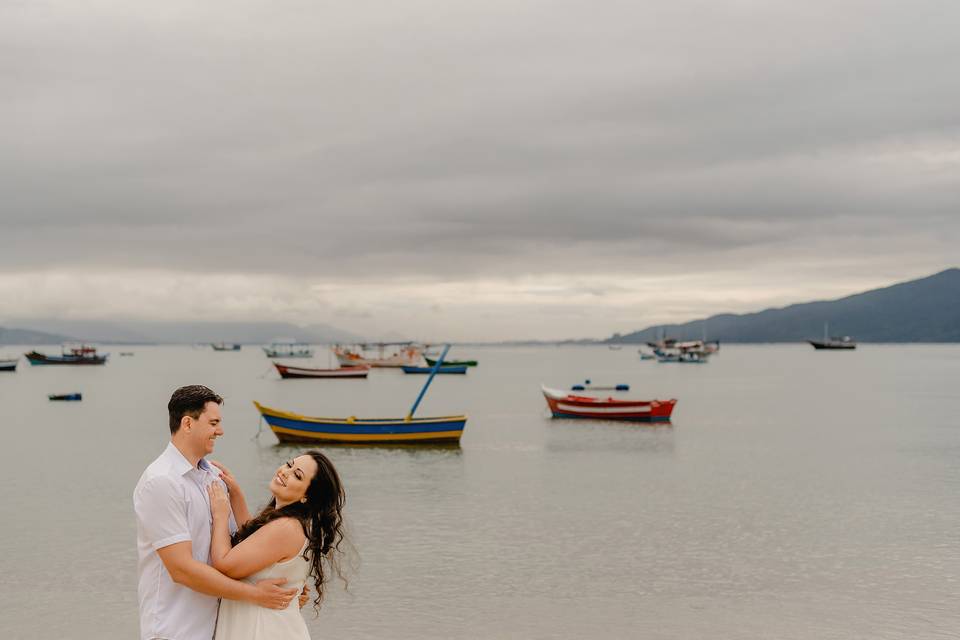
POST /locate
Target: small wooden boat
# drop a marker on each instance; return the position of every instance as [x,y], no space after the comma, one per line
[567,405]
[69,397]
[82,354]
[375,355]
[292,427]
[452,363]
[304,372]
[9,364]
[445,368]
[288,350]
[225,346]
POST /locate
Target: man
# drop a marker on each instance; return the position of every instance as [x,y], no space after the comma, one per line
[178,589]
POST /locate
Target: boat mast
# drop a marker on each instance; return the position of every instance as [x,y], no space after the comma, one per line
[433,372]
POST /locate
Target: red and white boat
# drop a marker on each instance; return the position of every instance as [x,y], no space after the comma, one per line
[285,371]
[564,404]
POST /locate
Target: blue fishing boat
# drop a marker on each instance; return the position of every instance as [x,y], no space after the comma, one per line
[456,369]
[293,427]
[68,397]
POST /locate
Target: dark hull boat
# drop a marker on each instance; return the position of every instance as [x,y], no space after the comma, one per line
[80,355]
[8,365]
[452,363]
[834,344]
[454,369]
[67,397]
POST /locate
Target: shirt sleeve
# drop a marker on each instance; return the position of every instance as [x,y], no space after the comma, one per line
[162,512]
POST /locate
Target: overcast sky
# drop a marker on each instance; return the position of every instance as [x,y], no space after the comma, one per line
[477,170]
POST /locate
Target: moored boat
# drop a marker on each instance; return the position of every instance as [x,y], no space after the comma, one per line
[225,346]
[845,343]
[444,368]
[567,405]
[451,363]
[692,351]
[375,355]
[9,364]
[288,350]
[292,427]
[285,371]
[81,354]
[69,397]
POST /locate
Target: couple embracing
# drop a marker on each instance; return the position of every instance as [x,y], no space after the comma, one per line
[208,568]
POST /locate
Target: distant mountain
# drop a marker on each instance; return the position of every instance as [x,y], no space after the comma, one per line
[140,332]
[924,310]
[26,336]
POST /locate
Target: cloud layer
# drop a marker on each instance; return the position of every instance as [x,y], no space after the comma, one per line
[698,153]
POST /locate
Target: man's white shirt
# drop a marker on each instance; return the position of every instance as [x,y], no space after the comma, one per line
[172,505]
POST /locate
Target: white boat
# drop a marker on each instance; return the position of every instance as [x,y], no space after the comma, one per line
[288,350]
[379,354]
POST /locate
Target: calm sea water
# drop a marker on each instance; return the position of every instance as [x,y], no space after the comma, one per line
[797,494]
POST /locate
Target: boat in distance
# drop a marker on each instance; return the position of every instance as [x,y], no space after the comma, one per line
[74,355]
[288,350]
[444,368]
[844,342]
[225,346]
[375,354]
[358,372]
[451,363]
[564,404]
[833,342]
[9,364]
[67,397]
[293,427]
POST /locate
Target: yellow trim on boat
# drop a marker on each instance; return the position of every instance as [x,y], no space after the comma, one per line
[368,437]
[268,411]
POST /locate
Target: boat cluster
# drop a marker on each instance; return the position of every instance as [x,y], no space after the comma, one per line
[670,350]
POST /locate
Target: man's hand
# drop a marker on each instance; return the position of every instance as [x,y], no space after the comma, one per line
[271,596]
[226,476]
[304,596]
[219,502]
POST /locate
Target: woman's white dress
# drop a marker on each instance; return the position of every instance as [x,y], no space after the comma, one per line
[247,621]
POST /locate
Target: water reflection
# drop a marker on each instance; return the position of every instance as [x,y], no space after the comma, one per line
[576,435]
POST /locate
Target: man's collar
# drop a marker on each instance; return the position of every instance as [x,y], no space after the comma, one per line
[180,463]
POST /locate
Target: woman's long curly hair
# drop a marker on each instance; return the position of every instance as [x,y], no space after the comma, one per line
[321,518]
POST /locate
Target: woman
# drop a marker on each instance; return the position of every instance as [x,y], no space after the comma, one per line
[298,532]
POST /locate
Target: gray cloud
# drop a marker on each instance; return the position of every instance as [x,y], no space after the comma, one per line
[379,140]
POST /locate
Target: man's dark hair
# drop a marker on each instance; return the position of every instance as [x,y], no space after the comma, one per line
[189,401]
